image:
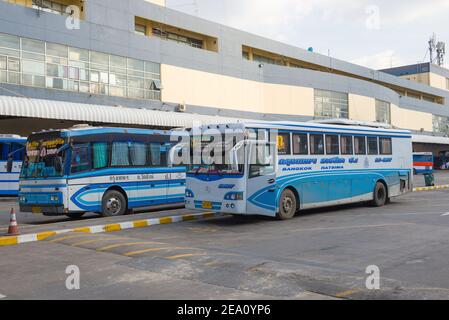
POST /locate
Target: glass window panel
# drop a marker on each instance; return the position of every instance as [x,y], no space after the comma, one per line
[80,159]
[79,54]
[10,52]
[136,73]
[34,56]
[138,154]
[117,91]
[56,83]
[84,74]
[152,67]
[118,61]
[8,41]
[100,155]
[316,144]
[118,80]
[156,154]
[13,64]
[386,147]
[373,147]
[94,76]
[3,76]
[3,63]
[332,145]
[135,82]
[136,93]
[100,67]
[14,77]
[120,154]
[118,70]
[84,87]
[104,77]
[330,104]
[33,45]
[360,145]
[300,144]
[135,64]
[346,145]
[99,58]
[79,64]
[57,50]
[283,143]
[99,88]
[56,70]
[33,80]
[74,73]
[73,85]
[33,67]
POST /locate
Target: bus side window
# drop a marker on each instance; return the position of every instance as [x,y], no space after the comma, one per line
[332,145]
[360,145]
[346,145]
[80,161]
[4,151]
[386,147]
[100,155]
[158,155]
[284,144]
[373,146]
[300,144]
[317,144]
[138,154]
[120,154]
[18,150]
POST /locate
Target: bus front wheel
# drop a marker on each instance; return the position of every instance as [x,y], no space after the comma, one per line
[113,204]
[287,205]
[380,195]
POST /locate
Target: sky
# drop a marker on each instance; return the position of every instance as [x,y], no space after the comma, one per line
[376,34]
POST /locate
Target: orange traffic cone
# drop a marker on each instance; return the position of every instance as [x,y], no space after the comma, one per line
[13,229]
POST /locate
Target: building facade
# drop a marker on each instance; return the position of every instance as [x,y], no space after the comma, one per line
[140,54]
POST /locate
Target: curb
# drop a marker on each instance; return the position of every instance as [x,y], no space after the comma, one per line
[34,237]
[442,187]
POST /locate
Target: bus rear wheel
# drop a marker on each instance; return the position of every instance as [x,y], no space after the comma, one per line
[287,205]
[380,195]
[113,204]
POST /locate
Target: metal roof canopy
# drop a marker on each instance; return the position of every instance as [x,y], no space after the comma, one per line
[69,111]
[430,139]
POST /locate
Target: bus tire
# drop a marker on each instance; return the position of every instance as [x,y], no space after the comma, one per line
[113,204]
[380,196]
[75,216]
[287,205]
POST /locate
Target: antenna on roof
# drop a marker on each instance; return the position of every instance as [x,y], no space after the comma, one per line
[438,48]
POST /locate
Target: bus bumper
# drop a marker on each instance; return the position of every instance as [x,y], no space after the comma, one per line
[46,210]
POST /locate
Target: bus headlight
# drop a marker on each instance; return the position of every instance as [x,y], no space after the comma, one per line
[234,196]
[189,193]
[22,199]
[54,198]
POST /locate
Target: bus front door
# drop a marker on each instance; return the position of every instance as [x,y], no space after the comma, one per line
[261,179]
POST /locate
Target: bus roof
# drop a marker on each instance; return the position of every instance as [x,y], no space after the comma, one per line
[78,131]
[11,138]
[313,126]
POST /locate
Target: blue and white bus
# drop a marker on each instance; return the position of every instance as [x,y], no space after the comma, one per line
[110,171]
[302,166]
[12,150]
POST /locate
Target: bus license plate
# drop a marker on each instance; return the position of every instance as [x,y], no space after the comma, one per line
[36,210]
[207,205]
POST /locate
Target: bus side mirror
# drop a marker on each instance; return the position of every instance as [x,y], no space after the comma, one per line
[9,164]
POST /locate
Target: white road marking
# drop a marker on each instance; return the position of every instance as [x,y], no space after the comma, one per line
[444,215]
[2,296]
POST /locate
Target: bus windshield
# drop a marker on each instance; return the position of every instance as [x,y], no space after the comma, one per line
[221,158]
[43,159]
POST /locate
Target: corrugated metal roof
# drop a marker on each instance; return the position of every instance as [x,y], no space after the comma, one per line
[59,110]
[430,139]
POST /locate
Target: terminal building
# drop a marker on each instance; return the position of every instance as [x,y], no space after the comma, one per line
[138,63]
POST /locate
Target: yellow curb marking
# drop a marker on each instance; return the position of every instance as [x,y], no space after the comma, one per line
[8,241]
[45,235]
[128,244]
[112,227]
[346,293]
[140,224]
[188,255]
[165,220]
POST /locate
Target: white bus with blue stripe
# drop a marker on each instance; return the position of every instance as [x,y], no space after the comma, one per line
[307,165]
[12,148]
[110,171]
